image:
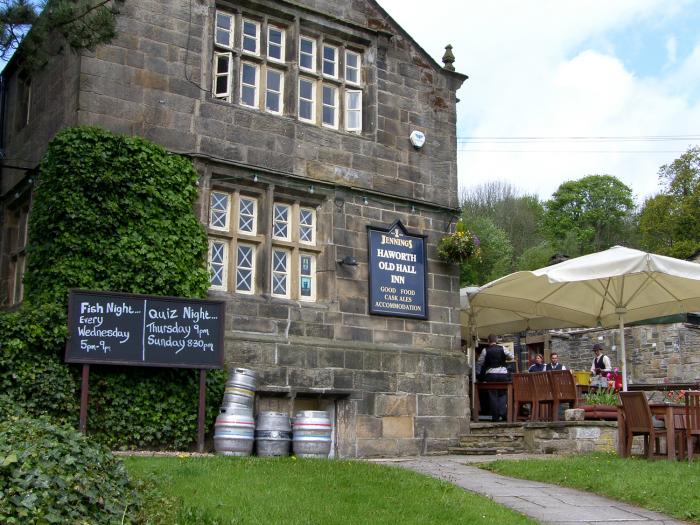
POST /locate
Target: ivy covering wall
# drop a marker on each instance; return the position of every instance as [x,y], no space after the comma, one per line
[109,212]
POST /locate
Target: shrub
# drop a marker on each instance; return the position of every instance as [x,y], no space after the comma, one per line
[32,376]
[52,474]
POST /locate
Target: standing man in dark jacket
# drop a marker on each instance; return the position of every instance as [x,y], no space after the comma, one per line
[493,365]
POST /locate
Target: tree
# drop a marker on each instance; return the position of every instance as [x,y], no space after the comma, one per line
[39,30]
[669,222]
[516,214]
[496,253]
[596,212]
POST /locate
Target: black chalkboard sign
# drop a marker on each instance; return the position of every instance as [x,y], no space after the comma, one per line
[142,330]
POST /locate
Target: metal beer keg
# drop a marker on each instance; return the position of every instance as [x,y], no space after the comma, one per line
[273,434]
[234,432]
[311,434]
[240,389]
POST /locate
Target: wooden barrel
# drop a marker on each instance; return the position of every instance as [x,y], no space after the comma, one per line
[240,388]
[273,434]
[234,432]
[311,434]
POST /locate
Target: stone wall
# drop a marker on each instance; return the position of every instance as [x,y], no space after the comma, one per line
[571,437]
[655,353]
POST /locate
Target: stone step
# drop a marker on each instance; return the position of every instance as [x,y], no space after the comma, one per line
[470,451]
[477,440]
[489,427]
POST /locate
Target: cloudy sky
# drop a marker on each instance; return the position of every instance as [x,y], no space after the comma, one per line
[543,71]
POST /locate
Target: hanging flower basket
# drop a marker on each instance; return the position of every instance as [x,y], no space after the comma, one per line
[458,246]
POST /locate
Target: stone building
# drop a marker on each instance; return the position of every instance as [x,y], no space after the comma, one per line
[665,352]
[297,116]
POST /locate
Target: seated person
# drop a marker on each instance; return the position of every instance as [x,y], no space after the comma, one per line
[554,364]
[538,365]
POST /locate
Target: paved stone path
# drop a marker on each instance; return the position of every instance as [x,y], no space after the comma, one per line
[546,503]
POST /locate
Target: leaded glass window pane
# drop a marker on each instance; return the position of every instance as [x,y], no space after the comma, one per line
[306,225]
[280,222]
[217,264]
[280,272]
[247,215]
[218,210]
[244,268]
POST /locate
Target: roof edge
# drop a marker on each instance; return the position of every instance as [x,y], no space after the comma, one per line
[406,34]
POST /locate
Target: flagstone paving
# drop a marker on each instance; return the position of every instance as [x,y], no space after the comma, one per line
[548,504]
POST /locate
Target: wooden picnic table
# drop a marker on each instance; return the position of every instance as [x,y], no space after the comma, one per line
[673,416]
[495,385]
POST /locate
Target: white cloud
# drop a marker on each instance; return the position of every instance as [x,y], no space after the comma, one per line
[550,69]
[671,50]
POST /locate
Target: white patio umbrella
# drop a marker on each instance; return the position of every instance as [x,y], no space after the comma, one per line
[479,321]
[602,289]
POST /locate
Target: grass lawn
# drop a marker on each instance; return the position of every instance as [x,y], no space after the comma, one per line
[669,487]
[225,490]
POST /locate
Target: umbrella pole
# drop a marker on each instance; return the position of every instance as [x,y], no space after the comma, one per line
[623,355]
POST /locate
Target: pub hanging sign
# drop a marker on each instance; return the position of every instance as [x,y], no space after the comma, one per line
[397,272]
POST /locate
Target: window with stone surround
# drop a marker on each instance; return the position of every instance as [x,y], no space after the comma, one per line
[323,75]
[243,259]
[233,240]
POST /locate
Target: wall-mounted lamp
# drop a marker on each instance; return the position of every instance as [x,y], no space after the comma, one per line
[348,260]
[311,189]
[413,208]
[255,178]
[365,200]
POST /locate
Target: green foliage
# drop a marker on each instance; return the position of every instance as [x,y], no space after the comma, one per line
[150,408]
[595,211]
[670,221]
[32,376]
[535,257]
[79,24]
[109,213]
[52,474]
[496,250]
[602,397]
[516,214]
[112,212]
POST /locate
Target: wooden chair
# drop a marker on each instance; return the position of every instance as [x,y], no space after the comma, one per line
[638,422]
[692,421]
[522,395]
[542,390]
[563,390]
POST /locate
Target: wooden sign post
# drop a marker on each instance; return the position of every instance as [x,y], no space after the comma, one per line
[139,330]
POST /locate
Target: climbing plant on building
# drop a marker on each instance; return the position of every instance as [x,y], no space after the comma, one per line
[113,212]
